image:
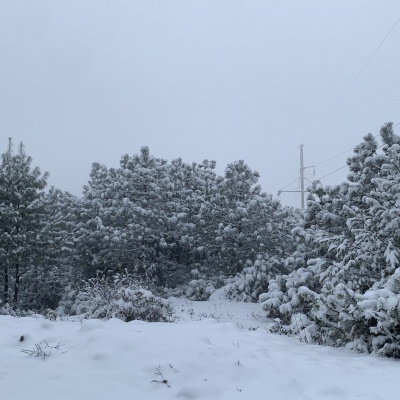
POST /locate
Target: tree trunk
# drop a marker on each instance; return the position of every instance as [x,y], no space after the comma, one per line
[16,284]
[6,284]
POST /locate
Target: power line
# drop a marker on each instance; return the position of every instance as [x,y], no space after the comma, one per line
[361,70]
[295,199]
[330,173]
[334,106]
[281,169]
[346,151]
[291,183]
[336,170]
[338,155]
[344,166]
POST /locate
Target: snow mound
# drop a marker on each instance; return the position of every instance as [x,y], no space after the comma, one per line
[216,351]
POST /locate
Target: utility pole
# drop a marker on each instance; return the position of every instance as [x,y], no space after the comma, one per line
[302,175]
[302,178]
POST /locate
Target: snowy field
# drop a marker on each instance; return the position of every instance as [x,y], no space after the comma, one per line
[218,350]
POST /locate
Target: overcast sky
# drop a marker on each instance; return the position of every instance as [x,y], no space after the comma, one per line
[87,81]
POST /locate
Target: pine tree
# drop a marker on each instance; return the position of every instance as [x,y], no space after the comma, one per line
[349,292]
[250,222]
[121,224]
[21,220]
[57,268]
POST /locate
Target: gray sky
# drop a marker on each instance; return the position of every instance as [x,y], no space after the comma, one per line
[84,81]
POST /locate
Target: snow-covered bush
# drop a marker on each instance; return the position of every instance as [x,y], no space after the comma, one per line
[254,279]
[251,282]
[201,288]
[365,322]
[123,297]
[372,320]
[6,309]
[293,293]
[335,315]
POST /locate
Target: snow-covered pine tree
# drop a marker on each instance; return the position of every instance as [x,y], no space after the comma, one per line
[242,214]
[22,222]
[123,222]
[57,269]
[350,294]
[253,236]
[165,220]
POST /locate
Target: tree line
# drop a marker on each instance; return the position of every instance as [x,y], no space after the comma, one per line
[328,274]
[164,223]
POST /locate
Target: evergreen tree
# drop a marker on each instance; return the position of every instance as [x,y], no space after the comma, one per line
[57,268]
[121,222]
[21,221]
[350,293]
[250,222]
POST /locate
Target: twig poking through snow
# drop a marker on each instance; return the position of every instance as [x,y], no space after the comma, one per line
[42,350]
[163,380]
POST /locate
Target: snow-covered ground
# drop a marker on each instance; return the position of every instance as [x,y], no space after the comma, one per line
[218,350]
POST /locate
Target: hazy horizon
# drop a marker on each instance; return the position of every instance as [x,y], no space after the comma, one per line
[89,81]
